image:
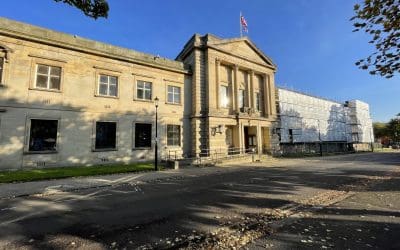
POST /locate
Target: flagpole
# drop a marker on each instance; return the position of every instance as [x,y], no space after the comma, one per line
[240,24]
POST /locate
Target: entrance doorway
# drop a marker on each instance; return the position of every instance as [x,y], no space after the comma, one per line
[250,137]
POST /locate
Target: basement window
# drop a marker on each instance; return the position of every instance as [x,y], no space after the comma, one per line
[142,135]
[106,135]
[173,135]
[43,135]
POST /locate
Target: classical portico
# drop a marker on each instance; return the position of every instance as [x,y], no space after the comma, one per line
[233,94]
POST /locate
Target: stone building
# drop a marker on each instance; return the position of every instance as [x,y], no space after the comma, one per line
[233,95]
[66,100]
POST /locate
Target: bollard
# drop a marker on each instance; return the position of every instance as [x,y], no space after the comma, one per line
[176,164]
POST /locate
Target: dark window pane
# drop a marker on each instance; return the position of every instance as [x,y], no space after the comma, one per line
[103,79]
[170,97]
[42,69]
[41,81]
[103,89]
[113,90]
[43,135]
[55,83]
[55,71]
[113,80]
[177,98]
[1,69]
[140,94]
[106,134]
[148,95]
[142,135]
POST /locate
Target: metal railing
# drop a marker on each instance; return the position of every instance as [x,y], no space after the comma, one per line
[312,148]
[206,156]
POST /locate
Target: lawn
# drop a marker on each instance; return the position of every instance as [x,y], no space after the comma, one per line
[65,172]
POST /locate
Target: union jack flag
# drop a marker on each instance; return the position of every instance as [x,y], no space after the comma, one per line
[243,23]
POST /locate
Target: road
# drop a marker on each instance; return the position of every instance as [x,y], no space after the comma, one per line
[349,201]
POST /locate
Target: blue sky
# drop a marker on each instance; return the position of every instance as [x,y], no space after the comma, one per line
[311,41]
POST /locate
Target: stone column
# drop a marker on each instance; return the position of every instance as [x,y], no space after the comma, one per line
[217,68]
[235,95]
[241,136]
[272,94]
[267,99]
[259,139]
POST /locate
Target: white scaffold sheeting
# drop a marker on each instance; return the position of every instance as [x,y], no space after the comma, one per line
[306,118]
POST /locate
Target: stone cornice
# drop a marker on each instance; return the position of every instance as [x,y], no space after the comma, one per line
[241,57]
[57,39]
[201,42]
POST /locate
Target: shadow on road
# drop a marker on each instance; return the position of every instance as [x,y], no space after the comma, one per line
[135,214]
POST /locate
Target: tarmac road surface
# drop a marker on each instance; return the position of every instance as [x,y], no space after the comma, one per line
[342,202]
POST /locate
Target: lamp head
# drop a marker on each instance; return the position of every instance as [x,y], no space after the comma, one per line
[156,101]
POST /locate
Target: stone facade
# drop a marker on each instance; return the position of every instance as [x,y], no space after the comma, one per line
[239,69]
[77,104]
[62,97]
[66,100]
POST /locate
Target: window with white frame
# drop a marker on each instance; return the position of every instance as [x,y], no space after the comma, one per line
[258,101]
[43,135]
[174,94]
[173,135]
[48,77]
[143,90]
[224,96]
[106,135]
[242,98]
[108,85]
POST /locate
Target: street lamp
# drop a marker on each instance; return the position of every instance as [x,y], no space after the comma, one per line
[156,140]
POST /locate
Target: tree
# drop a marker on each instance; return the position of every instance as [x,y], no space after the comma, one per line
[380,130]
[91,8]
[394,129]
[380,19]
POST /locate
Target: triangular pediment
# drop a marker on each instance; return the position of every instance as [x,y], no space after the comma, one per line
[244,48]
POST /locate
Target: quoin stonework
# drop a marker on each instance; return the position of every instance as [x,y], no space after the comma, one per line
[66,100]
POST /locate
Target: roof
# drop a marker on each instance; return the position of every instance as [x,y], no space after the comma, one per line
[210,40]
[72,42]
[302,93]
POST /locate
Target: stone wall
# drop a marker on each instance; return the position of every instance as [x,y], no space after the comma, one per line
[77,105]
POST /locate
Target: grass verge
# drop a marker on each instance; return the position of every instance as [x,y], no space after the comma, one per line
[65,172]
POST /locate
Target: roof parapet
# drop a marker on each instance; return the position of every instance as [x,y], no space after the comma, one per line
[37,34]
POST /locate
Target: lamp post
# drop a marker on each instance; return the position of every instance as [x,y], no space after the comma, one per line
[156,140]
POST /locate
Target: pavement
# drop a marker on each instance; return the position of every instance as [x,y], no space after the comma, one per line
[331,202]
